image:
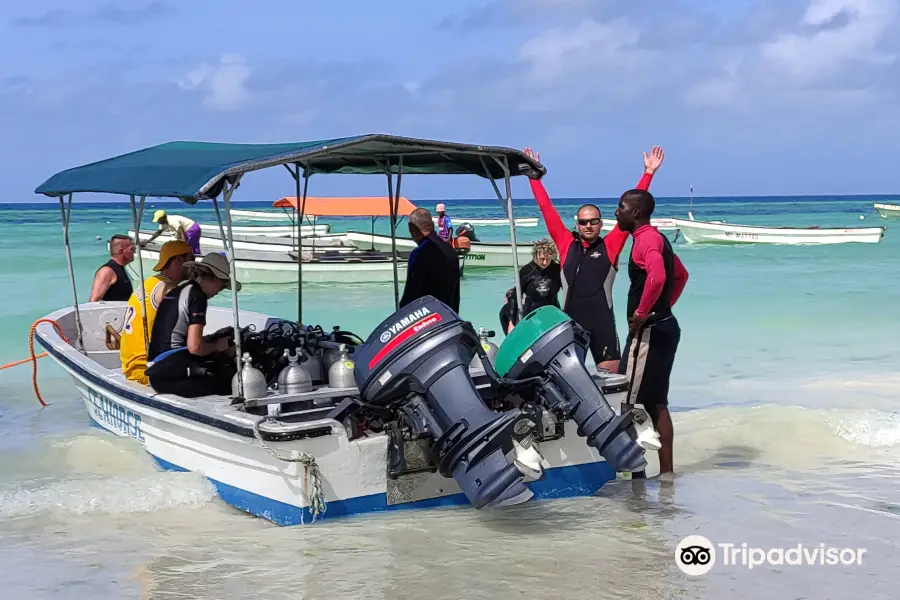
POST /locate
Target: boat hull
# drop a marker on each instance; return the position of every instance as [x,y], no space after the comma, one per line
[888,211]
[480,255]
[709,232]
[210,437]
[270,230]
[283,270]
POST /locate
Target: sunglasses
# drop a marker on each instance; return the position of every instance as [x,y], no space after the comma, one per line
[594,221]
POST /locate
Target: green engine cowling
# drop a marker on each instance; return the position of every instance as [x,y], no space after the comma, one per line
[525,335]
[548,342]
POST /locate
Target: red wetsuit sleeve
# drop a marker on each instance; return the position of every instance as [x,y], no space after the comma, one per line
[558,231]
[615,239]
[681,277]
[647,254]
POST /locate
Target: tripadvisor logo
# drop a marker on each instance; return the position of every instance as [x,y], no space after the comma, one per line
[696,555]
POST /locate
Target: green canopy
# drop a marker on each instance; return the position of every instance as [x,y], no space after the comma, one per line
[193,171]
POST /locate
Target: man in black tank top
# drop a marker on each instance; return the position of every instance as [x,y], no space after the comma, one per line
[657,280]
[111,282]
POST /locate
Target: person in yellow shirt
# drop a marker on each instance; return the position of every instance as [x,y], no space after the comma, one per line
[132,348]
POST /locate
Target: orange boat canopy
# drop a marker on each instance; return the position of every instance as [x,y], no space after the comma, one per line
[378,206]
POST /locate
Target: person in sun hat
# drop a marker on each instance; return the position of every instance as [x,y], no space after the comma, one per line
[184,362]
[444,225]
[132,345]
[180,227]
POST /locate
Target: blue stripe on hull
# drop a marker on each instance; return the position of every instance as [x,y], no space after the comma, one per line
[559,482]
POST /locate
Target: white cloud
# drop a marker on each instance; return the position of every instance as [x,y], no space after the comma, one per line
[820,55]
[224,83]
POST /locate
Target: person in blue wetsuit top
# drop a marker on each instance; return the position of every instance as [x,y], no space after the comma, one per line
[433,267]
[444,225]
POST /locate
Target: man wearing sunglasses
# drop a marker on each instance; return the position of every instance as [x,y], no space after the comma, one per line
[589,263]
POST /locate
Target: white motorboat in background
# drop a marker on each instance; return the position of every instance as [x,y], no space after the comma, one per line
[888,211]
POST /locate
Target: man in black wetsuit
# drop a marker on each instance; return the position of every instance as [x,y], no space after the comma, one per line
[590,262]
[433,267]
[541,281]
[111,282]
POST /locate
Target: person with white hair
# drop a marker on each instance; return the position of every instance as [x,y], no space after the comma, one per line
[185,363]
[541,282]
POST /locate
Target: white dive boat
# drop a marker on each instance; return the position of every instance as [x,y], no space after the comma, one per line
[271,215]
[888,211]
[269,230]
[325,265]
[480,254]
[719,232]
[420,414]
[212,240]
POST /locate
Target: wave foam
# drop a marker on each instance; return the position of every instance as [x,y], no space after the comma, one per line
[115,495]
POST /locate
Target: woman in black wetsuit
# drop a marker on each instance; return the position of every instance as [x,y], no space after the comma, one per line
[541,281]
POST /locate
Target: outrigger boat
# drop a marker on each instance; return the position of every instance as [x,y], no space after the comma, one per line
[429,417]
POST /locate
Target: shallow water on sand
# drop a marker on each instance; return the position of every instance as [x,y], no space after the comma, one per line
[787,431]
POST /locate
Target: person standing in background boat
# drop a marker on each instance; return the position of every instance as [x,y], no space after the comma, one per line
[180,227]
[133,349]
[111,282]
[433,266]
[657,280]
[444,225]
[541,280]
[590,262]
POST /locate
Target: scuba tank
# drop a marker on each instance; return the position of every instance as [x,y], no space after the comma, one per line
[340,374]
[294,378]
[255,385]
[314,364]
[488,346]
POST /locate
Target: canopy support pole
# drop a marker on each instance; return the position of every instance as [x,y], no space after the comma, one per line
[300,241]
[394,204]
[66,213]
[227,191]
[137,214]
[507,203]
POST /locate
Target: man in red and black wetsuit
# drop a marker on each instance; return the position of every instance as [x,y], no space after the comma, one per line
[589,264]
[657,280]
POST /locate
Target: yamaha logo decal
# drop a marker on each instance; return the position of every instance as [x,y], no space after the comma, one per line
[385,336]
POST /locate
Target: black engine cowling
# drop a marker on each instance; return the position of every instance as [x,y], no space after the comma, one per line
[417,360]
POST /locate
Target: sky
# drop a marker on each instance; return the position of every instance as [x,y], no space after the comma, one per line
[748,97]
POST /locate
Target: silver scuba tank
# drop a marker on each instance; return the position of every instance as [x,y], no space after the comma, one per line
[313,364]
[255,385]
[340,374]
[487,345]
[294,378]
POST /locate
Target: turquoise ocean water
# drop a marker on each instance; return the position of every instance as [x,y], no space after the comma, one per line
[786,389]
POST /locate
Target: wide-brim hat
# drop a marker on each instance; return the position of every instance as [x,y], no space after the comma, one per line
[214,263]
[170,250]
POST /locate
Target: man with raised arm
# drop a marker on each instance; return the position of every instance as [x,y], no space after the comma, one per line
[589,263]
[657,280]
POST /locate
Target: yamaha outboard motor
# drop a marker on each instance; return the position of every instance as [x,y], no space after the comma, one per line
[467,230]
[548,342]
[417,361]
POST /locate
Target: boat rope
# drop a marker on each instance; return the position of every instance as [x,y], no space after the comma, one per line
[34,357]
[315,493]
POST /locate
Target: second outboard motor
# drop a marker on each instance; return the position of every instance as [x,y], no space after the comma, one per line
[467,230]
[417,360]
[549,342]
